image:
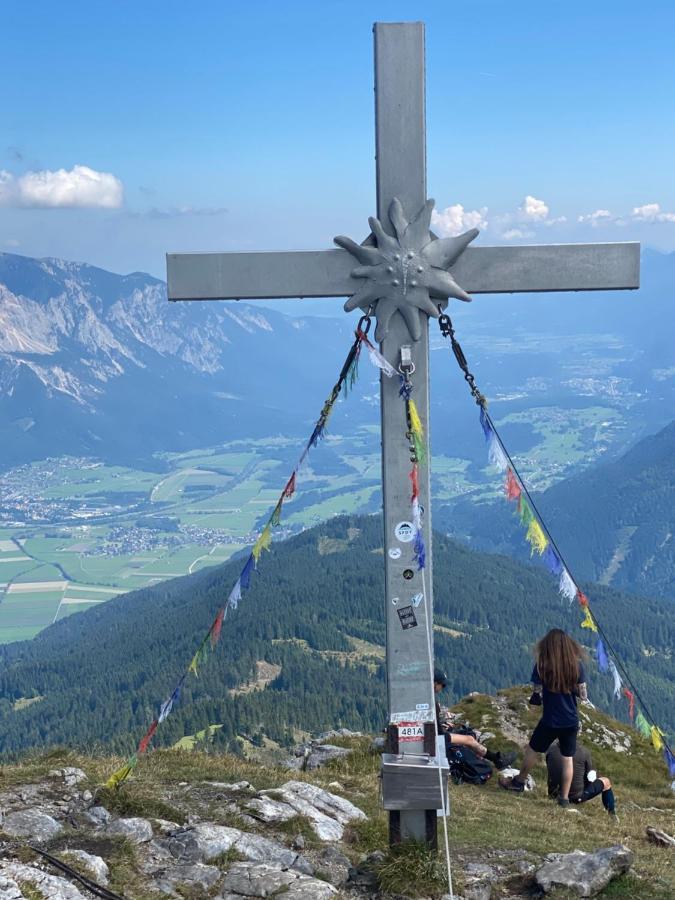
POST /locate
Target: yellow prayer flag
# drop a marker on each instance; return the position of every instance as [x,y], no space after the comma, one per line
[657,738]
[588,620]
[536,537]
[193,665]
[122,774]
[415,421]
[264,542]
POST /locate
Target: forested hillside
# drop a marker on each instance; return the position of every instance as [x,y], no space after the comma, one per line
[615,522]
[101,675]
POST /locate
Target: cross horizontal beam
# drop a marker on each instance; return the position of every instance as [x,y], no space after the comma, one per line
[327,273]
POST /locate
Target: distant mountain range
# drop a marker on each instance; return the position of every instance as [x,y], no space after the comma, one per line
[614,522]
[98,364]
[313,621]
[93,363]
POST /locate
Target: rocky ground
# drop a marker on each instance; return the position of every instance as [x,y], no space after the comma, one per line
[197,826]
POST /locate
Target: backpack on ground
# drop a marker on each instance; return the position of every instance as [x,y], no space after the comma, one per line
[466,767]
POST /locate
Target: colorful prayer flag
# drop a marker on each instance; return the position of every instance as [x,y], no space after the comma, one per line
[122,774]
[642,725]
[567,587]
[630,696]
[264,542]
[536,538]
[235,595]
[601,654]
[511,486]
[552,561]
[582,598]
[526,514]
[245,577]
[657,738]
[617,678]
[670,760]
[289,490]
[588,620]
[145,740]
[217,627]
[485,424]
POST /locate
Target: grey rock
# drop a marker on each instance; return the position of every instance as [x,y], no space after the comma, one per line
[585,873]
[480,870]
[236,787]
[330,804]
[376,857]
[266,879]
[298,842]
[659,837]
[335,865]
[87,796]
[271,811]
[198,874]
[52,887]
[325,827]
[479,891]
[378,744]
[363,877]
[69,774]
[205,842]
[96,816]
[32,823]
[136,830]
[340,732]
[97,867]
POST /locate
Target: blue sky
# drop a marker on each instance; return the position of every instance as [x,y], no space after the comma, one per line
[130,129]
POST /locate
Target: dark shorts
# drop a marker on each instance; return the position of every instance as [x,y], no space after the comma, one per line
[591,790]
[544,735]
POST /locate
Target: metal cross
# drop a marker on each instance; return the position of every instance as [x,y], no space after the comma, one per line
[401,195]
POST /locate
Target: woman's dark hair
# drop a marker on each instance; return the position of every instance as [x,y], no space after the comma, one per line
[558,657]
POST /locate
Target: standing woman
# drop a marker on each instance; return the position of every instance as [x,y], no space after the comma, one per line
[559,671]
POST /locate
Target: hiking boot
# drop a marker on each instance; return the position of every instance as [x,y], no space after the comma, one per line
[564,802]
[512,784]
[504,760]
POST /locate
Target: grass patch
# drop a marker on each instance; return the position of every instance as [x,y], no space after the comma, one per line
[129,801]
[411,869]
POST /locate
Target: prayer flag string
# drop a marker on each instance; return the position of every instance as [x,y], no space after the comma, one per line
[541,542]
[345,382]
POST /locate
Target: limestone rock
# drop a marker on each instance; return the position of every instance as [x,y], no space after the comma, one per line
[205,842]
[325,828]
[585,873]
[331,804]
[316,755]
[31,823]
[268,879]
[335,865]
[137,830]
[659,837]
[96,867]
[271,811]
[196,874]
[96,816]
[69,774]
[52,887]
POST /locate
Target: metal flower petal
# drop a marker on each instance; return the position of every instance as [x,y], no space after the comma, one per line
[402,273]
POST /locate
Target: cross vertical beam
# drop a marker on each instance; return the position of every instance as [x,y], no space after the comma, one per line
[401,172]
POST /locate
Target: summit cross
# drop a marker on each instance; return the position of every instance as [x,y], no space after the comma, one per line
[404,288]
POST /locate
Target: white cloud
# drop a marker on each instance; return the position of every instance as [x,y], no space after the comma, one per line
[651,212]
[597,218]
[80,187]
[514,234]
[455,219]
[533,210]
[12,242]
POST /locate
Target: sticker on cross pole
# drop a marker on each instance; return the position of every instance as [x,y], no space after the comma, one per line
[410,731]
[407,617]
[404,532]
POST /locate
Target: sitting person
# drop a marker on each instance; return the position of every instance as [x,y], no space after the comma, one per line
[585,783]
[464,737]
[558,677]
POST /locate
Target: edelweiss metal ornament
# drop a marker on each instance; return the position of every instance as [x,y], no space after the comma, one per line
[407,272]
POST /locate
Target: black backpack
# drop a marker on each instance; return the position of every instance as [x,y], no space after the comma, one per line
[466,767]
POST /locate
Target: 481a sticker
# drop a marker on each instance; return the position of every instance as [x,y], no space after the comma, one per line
[410,731]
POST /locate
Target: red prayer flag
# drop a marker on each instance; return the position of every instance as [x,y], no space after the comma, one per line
[630,696]
[217,626]
[582,598]
[414,481]
[511,486]
[145,741]
[289,490]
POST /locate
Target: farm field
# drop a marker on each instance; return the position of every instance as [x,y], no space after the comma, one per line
[78,532]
